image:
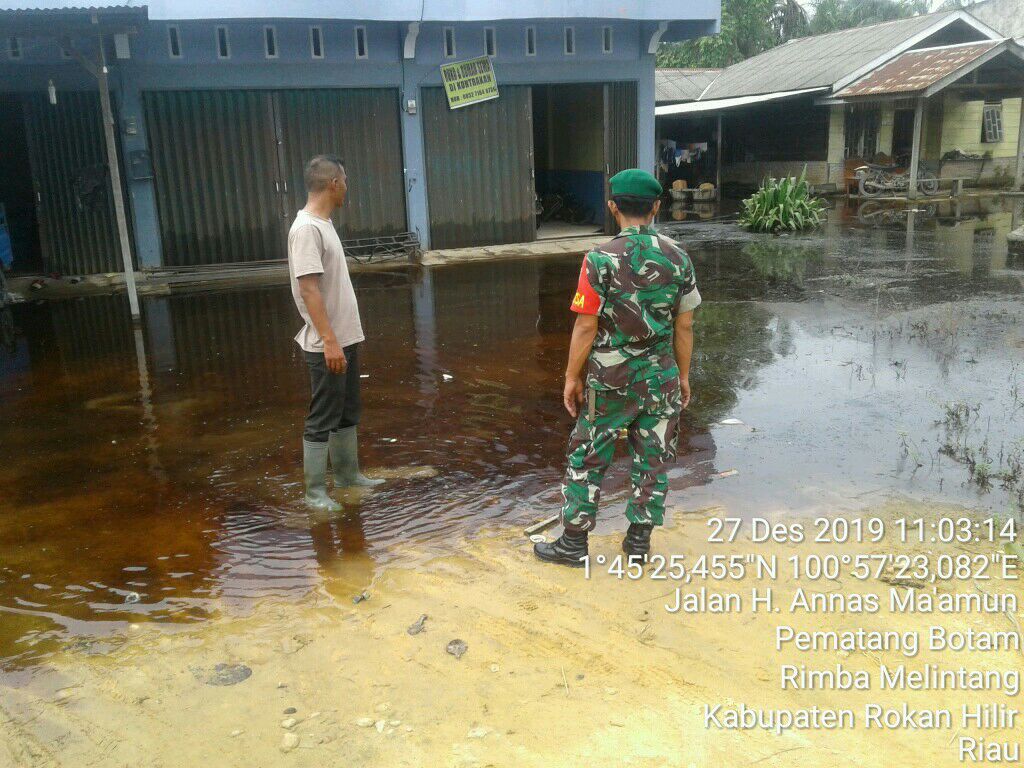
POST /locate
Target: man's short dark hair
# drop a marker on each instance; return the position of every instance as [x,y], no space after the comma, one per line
[320,170]
[633,206]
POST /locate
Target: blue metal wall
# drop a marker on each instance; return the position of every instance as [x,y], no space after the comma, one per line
[151,68]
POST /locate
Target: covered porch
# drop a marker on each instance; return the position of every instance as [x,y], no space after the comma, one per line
[941,117]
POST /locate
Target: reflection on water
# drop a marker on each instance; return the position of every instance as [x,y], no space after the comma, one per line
[153,473]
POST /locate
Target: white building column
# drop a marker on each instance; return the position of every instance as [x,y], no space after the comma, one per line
[915,150]
[1018,179]
[836,150]
[412,139]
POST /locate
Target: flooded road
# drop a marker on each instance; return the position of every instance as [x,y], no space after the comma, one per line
[151,530]
[153,474]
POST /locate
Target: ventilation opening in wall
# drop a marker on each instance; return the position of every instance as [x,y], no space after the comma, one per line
[490,44]
[13,48]
[606,39]
[531,41]
[223,44]
[361,48]
[270,42]
[449,42]
[570,41]
[173,42]
[316,42]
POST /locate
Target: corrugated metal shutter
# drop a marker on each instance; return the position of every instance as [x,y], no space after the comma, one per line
[620,134]
[215,162]
[480,169]
[362,127]
[72,183]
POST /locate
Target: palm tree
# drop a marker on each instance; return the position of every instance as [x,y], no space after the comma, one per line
[743,34]
[788,20]
[832,15]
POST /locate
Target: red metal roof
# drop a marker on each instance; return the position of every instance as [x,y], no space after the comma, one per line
[915,71]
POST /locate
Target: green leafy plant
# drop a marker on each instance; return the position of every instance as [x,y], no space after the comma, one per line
[782,204]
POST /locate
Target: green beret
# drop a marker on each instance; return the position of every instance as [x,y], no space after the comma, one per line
[635,183]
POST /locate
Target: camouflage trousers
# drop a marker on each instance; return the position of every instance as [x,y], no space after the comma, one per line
[649,412]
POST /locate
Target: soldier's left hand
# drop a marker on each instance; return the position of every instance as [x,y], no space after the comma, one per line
[684,390]
[572,396]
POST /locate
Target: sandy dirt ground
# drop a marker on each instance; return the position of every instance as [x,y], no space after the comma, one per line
[559,671]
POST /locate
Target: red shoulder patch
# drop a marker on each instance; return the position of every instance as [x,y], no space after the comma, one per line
[586,301]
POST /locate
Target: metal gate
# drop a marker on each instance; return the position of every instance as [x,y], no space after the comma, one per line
[228,167]
[71,182]
[620,135]
[362,127]
[480,169]
[215,166]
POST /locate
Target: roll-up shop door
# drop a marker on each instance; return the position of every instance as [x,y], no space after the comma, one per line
[361,126]
[620,134]
[71,181]
[479,162]
[217,184]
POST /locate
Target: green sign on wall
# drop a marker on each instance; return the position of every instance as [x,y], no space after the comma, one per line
[469,82]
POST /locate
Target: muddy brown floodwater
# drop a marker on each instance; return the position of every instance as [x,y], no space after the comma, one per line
[150,524]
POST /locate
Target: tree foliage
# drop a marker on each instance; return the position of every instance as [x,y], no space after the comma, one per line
[833,15]
[750,27]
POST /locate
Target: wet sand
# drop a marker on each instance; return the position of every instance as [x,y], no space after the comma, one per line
[559,671]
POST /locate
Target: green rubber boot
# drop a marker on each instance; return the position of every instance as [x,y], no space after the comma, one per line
[344,447]
[314,466]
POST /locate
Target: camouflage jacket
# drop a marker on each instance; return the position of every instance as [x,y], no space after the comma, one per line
[635,284]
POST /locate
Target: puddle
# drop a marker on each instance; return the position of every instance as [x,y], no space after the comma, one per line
[151,477]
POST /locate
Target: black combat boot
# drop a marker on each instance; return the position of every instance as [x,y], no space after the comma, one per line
[637,543]
[569,549]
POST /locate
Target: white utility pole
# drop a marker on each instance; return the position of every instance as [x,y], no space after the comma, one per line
[115,183]
[99,71]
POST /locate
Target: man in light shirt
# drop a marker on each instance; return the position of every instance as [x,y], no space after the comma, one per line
[330,338]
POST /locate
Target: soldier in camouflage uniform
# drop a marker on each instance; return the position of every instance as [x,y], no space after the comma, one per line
[635,302]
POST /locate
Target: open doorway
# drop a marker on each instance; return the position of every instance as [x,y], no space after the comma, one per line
[17,199]
[902,135]
[569,159]
[687,150]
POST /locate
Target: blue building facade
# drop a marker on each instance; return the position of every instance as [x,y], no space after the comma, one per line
[217,104]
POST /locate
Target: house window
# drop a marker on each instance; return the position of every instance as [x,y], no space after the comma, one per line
[316,42]
[992,122]
[173,42]
[361,48]
[531,41]
[606,39]
[14,48]
[861,133]
[490,43]
[570,41]
[449,42]
[270,42]
[223,44]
